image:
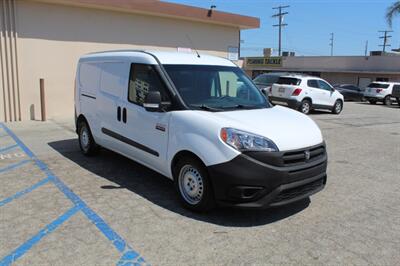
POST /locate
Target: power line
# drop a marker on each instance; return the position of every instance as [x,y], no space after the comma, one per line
[331,43]
[385,38]
[280,16]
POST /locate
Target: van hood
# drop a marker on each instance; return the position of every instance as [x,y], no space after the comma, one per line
[287,128]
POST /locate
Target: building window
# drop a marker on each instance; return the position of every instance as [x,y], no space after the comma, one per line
[382,79]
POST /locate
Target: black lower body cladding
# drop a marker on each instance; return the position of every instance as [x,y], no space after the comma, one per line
[292,103]
[264,179]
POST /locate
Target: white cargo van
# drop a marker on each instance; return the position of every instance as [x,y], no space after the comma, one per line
[200,121]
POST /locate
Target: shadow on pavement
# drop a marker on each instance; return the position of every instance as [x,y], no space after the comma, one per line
[127,174]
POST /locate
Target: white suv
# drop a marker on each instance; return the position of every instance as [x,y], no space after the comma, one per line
[380,92]
[305,93]
[200,121]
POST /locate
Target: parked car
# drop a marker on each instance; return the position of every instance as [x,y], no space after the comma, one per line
[305,93]
[264,81]
[200,121]
[380,92]
[350,92]
[396,93]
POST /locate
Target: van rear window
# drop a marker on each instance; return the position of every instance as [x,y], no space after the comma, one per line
[378,86]
[288,81]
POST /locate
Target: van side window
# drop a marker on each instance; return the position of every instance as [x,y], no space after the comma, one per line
[144,78]
[114,78]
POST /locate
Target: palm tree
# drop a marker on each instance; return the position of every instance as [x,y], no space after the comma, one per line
[392,11]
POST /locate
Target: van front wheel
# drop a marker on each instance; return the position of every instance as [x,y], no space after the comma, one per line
[193,185]
[86,141]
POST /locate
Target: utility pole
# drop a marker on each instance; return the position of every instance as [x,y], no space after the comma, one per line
[280,16]
[366,48]
[385,38]
[331,43]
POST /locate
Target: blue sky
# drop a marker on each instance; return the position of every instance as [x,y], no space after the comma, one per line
[310,23]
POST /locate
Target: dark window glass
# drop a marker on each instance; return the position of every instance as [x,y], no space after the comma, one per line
[266,79]
[324,86]
[144,78]
[382,79]
[288,81]
[352,88]
[378,85]
[312,83]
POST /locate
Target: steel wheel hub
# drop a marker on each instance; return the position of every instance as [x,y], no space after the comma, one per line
[85,138]
[191,184]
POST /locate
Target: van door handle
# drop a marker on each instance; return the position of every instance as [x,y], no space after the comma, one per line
[119,113]
[124,118]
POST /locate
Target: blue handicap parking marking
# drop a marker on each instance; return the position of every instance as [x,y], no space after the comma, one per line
[14,166]
[8,148]
[21,250]
[128,255]
[25,191]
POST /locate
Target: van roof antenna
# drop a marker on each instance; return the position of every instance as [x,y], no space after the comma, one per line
[191,43]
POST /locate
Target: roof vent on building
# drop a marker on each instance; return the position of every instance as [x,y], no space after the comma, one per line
[285,54]
[376,53]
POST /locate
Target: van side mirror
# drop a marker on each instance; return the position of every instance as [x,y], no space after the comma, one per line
[152,102]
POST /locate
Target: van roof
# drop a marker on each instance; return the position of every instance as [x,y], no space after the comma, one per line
[164,57]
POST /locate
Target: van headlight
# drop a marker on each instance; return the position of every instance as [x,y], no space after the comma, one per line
[245,141]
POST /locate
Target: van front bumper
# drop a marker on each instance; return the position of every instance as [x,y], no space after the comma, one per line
[265,179]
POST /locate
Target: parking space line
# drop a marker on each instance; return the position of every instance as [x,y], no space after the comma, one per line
[13,166]
[129,256]
[21,250]
[8,148]
[25,191]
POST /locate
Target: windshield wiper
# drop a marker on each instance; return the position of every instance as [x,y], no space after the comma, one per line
[240,106]
[205,107]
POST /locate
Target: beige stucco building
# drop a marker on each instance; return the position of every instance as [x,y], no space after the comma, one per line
[358,70]
[44,39]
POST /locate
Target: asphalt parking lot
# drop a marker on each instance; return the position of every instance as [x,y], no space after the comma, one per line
[58,207]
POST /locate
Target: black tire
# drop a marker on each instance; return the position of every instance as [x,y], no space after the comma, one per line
[387,100]
[337,107]
[86,141]
[372,101]
[305,107]
[191,176]
[398,101]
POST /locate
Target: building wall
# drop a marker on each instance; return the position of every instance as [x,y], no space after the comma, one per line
[9,81]
[51,38]
[344,63]
[354,78]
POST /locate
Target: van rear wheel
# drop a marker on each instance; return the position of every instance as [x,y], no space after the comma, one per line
[86,141]
[193,185]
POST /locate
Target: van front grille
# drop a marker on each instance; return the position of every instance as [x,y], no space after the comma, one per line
[303,156]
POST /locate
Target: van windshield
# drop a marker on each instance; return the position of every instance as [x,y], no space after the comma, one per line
[215,88]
